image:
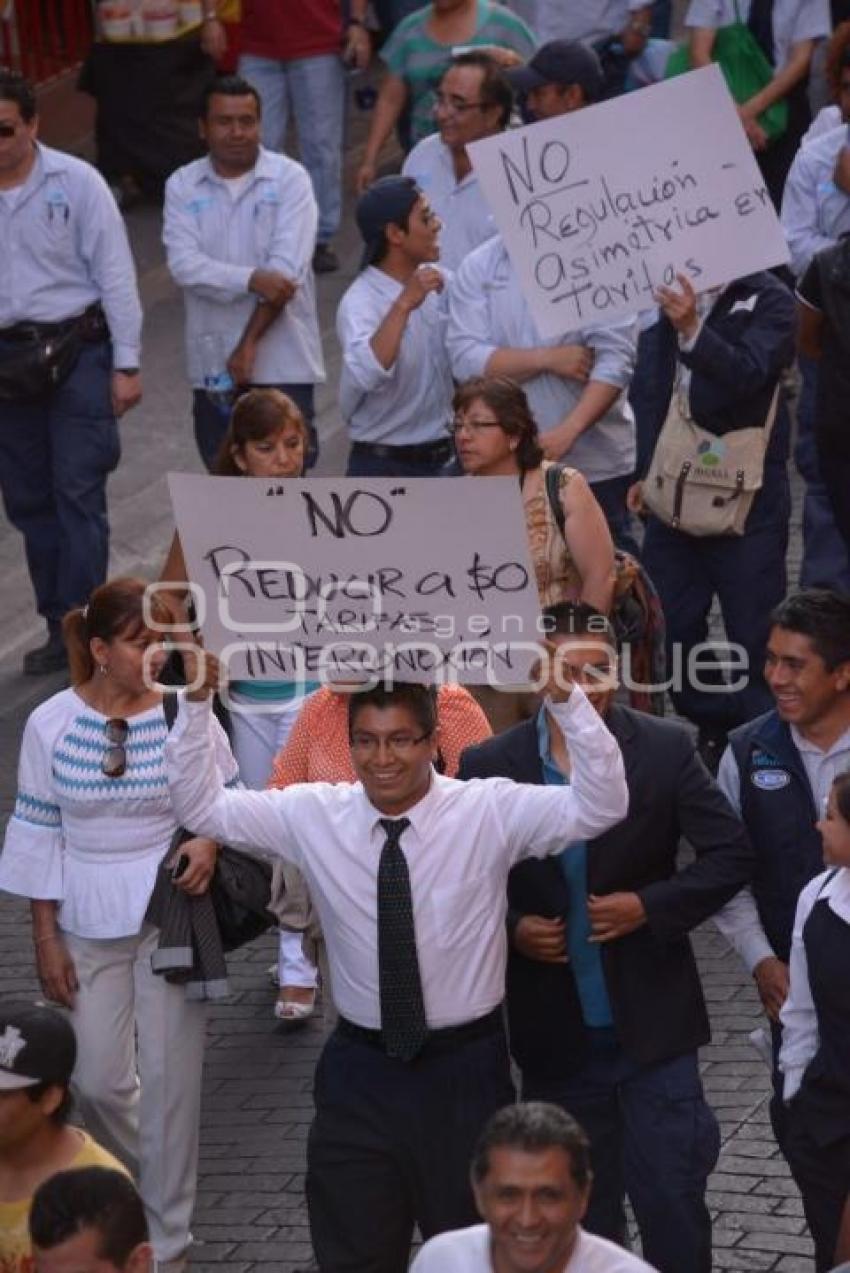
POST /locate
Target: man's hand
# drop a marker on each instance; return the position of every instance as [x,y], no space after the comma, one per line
[633,38]
[56,972]
[240,364]
[419,286]
[756,135]
[364,176]
[358,47]
[680,307]
[841,172]
[558,685]
[202,855]
[572,362]
[272,286]
[772,982]
[541,939]
[214,39]
[504,58]
[634,499]
[614,915]
[126,392]
[203,672]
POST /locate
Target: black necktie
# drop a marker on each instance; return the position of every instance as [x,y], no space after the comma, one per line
[403,1021]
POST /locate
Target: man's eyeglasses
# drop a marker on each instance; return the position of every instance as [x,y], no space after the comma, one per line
[398,744]
[8,130]
[455,105]
[114,763]
[472,426]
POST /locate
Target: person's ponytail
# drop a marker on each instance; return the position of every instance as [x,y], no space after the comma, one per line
[76,636]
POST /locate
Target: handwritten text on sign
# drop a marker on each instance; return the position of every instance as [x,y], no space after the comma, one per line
[599,207]
[423,579]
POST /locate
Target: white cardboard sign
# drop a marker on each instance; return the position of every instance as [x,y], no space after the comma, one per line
[425,579]
[600,206]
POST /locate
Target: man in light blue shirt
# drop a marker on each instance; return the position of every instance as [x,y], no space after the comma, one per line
[68,298]
[239,229]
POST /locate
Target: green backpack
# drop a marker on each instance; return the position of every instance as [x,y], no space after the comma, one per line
[747,70]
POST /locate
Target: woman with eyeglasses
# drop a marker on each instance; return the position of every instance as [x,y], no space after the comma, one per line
[495,435]
[91,825]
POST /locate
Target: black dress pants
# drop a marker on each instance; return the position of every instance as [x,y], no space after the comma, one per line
[391,1143]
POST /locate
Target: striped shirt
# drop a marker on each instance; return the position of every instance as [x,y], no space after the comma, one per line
[418,59]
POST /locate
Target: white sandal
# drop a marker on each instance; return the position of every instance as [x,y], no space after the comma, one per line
[291,1010]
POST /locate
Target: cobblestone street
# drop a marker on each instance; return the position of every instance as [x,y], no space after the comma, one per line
[257,1104]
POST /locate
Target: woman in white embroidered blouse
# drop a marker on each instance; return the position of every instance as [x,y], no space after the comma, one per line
[815,1053]
[91,824]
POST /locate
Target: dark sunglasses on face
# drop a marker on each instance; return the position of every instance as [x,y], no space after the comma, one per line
[114,763]
[8,130]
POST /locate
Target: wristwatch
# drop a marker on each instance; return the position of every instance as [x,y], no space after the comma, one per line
[127,371]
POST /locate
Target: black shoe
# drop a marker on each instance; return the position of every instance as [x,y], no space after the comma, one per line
[47,658]
[711,745]
[325,260]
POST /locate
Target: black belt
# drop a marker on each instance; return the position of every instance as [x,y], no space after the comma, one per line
[421,454]
[438,1040]
[92,324]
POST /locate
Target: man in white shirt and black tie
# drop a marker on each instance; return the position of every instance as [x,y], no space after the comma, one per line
[407,870]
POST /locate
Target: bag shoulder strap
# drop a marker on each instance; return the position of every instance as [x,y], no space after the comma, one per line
[553,474]
[169,708]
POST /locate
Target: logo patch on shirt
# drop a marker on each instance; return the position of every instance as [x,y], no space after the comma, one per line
[770,779]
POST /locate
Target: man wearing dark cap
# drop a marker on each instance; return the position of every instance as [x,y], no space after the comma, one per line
[396,385]
[563,76]
[37,1055]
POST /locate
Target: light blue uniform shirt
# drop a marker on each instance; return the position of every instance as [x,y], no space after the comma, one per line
[585,958]
[214,243]
[488,311]
[63,246]
[815,213]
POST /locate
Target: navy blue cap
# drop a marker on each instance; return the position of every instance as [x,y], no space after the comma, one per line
[561,62]
[388,201]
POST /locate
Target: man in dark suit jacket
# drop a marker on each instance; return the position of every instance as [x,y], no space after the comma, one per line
[732,354]
[605,1007]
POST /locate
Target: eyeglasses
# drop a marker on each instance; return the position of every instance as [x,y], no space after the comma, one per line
[114,763]
[398,744]
[8,130]
[455,105]
[472,426]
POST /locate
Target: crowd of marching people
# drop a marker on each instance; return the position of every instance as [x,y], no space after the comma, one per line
[487,886]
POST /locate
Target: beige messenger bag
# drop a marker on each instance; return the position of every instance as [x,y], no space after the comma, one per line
[701,483]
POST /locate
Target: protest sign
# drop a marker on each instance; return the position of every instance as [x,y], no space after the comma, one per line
[599,207]
[334,579]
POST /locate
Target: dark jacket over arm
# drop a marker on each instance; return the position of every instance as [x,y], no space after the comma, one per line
[651,976]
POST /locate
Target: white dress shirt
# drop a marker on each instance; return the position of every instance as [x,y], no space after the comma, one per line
[798,1016]
[738,920]
[63,246]
[410,402]
[460,205]
[815,213]
[214,243]
[488,311]
[793,21]
[462,841]
[468,1251]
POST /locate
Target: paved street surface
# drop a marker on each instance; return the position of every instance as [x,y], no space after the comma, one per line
[258,1080]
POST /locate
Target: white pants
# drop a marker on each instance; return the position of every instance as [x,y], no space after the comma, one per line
[258,731]
[140,1051]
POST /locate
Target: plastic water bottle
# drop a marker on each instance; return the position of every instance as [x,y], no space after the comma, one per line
[218,382]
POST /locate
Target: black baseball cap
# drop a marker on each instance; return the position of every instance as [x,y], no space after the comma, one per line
[561,62]
[388,201]
[37,1045]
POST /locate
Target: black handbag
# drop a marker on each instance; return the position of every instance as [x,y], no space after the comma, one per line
[34,366]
